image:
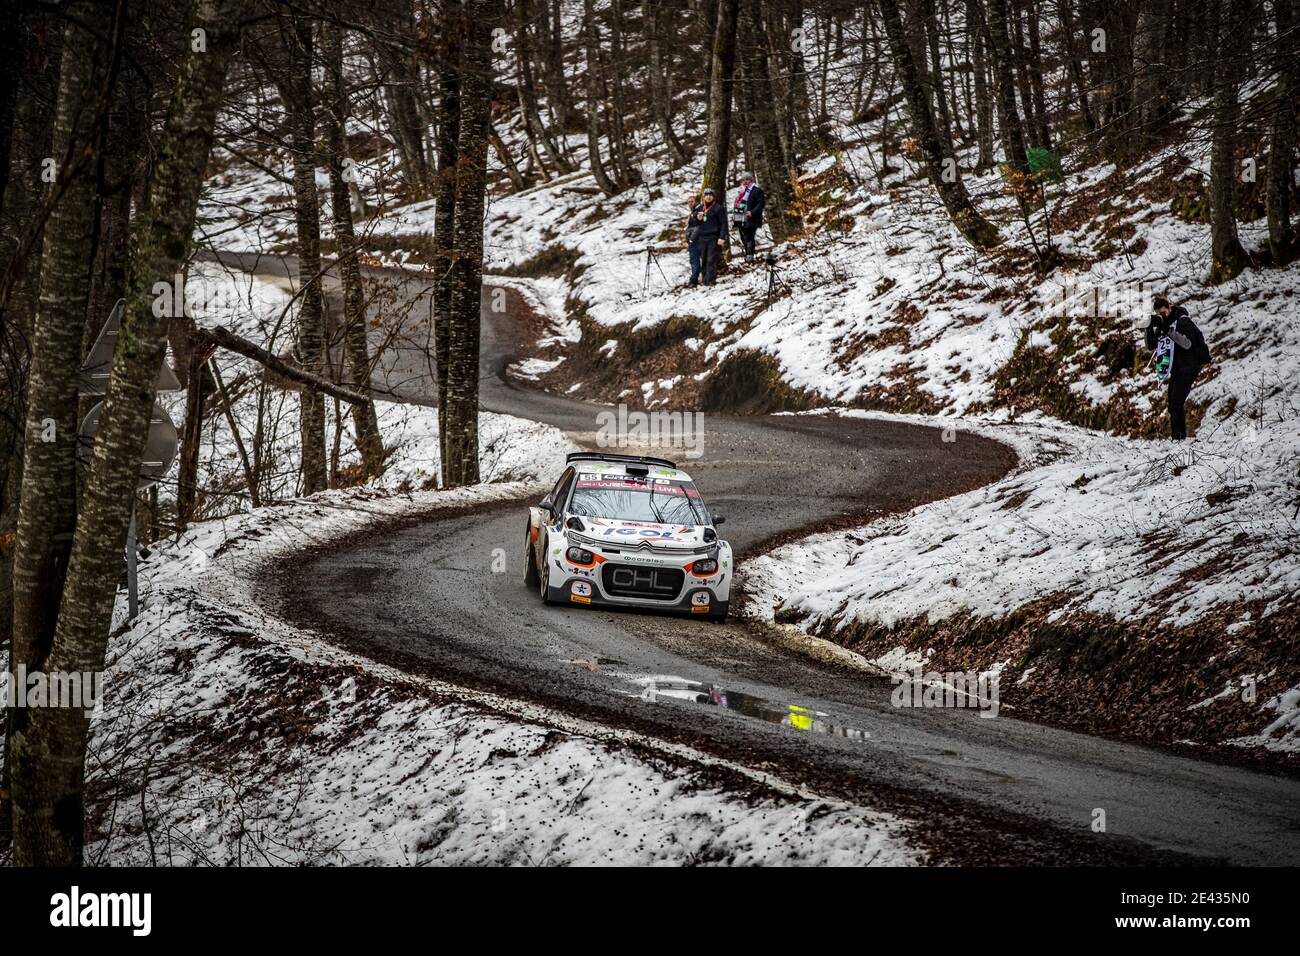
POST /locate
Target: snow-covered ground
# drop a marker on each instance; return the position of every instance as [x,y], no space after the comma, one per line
[228,737]
[879,304]
[1115,525]
[1089,528]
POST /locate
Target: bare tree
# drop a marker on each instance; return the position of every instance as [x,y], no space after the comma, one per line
[444,213]
[334,117]
[49,752]
[47,511]
[1281,140]
[977,44]
[1227,257]
[939,157]
[762,136]
[526,86]
[717,152]
[292,75]
[591,45]
[652,14]
[460,467]
[1004,82]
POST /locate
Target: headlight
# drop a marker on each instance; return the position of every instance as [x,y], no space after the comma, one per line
[579,556]
[704,567]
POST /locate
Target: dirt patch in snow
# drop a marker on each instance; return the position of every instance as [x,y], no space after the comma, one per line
[1195,688]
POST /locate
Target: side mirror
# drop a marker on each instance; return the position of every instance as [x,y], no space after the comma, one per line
[718,519]
[547,504]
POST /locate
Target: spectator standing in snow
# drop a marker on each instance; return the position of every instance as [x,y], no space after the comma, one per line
[747,213]
[692,237]
[1189,356]
[712,235]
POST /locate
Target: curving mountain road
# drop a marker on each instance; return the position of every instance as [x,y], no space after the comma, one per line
[422,597]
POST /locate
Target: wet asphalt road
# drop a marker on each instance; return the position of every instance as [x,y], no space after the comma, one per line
[422,596]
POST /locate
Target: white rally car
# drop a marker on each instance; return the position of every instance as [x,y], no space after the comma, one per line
[628,531]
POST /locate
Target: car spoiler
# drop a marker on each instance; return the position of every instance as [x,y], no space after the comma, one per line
[602,456]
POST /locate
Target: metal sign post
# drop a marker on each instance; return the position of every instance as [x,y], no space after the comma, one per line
[163,441]
[132,590]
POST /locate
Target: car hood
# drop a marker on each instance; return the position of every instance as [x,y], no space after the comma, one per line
[618,533]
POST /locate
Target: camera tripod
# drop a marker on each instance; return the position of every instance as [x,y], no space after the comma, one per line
[774,280]
[652,258]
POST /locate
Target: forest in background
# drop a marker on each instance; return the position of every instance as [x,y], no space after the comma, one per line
[113,113]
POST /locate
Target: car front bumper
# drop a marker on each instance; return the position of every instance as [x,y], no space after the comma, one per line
[659,582]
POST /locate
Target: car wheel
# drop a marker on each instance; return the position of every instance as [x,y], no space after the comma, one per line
[720,616]
[544,584]
[530,562]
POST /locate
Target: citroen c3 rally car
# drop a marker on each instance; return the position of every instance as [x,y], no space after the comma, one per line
[628,531]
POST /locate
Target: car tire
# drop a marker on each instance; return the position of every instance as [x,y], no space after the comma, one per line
[530,563]
[544,586]
[719,616]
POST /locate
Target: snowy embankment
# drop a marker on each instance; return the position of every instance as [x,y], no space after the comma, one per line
[1192,547]
[228,737]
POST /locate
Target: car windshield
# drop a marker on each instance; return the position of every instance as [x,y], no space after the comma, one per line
[629,498]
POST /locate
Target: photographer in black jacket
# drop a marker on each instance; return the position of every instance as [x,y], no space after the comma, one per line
[711,235]
[1189,356]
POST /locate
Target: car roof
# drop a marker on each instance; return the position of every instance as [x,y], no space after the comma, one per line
[620,468]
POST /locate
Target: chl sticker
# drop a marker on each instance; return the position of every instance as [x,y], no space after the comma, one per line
[581,589]
[700,598]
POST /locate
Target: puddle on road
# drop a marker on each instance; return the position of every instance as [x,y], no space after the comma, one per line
[596,663]
[803,719]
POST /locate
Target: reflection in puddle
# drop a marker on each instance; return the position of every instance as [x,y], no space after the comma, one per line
[787,715]
[595,663]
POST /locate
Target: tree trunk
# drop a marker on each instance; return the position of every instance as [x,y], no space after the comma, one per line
[401,92]
[335,116]
[1019,61]
[1281,137]
[983,98]
[557,88]
[780,60]
[49,756]
[628,174]
[1013,136]
[1036,76]
[47,511]
[1119,20]
[940,159]
[1075,64]
[660,95]
[198,387]
[800,111]
[444,211]
[591,44]
[527,88]
[460,467]
[309,345]
[1227,257]
[718,151]
[20,263]
[928,30]
[516,178]
[761,127]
